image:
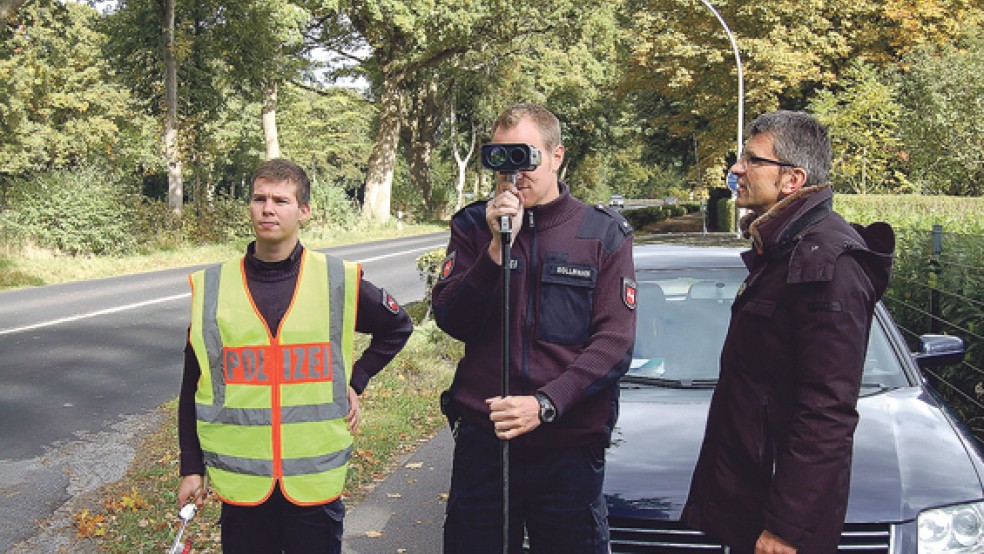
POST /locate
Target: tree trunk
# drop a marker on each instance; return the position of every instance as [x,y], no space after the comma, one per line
[382,160]
[175,192]
[478,184]
[424,129]
[461,161]
[270,121]
[7,10]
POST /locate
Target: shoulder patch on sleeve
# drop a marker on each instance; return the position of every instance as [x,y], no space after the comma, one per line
[447,266]
[629,293]
[391,304]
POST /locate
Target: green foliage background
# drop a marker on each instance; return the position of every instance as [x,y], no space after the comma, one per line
[81,211]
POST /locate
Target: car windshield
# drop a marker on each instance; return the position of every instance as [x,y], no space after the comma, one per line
[682,319]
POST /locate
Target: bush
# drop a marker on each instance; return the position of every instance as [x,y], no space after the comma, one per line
[429,268]
[916,274]
[725,214]
[76,211]
[216,221]
[639,218]
[713,197]
[332,208]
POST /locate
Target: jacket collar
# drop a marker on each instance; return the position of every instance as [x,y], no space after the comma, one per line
[273,271]
[556,211]
[789,217]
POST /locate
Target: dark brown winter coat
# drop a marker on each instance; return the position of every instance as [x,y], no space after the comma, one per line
[777,449]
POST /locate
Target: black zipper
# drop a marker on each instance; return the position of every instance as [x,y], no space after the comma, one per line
[531,295]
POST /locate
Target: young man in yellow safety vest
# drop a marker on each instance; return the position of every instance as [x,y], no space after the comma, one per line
[269,398]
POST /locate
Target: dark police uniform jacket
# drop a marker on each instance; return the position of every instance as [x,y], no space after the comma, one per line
[572,315]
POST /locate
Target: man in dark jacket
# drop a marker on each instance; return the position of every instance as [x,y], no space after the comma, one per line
[572,324]
[774,468]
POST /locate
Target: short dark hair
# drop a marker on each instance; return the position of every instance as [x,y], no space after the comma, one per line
[799,139]
[282,169]
[545,121]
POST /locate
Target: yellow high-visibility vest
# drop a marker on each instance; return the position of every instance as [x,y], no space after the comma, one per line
[272,408]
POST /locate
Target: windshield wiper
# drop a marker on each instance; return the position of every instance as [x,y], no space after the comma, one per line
[670,383]
[878,388]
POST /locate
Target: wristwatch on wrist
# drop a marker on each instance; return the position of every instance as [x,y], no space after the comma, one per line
[547,410]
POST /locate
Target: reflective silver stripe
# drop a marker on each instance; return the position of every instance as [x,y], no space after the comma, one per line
[316,464]
[234,416]
[313,412]
[210,332]
[243,466]
[291,467]
[336,307]
[262,416]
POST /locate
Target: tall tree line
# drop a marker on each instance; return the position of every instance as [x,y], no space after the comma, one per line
[170,92]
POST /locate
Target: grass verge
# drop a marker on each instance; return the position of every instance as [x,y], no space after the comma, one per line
[400,409]
[27,266]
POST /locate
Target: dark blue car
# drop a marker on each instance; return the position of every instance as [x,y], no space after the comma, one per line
[916,485]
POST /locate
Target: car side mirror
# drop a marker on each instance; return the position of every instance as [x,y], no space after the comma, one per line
[939,350]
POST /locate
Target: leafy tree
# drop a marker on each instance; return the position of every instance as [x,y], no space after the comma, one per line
[863,117]
[7,10]
[426,114]
[170,53]
[405,38]
[788,50]
[329,134]
[59,105]
[942,95]
[264,45]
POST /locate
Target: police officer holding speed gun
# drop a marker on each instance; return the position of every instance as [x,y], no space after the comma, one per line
[269,399]
[547,336]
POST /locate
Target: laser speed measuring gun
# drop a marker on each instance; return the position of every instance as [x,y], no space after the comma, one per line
[510,158]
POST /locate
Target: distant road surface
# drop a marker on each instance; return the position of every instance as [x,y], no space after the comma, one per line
[82,365]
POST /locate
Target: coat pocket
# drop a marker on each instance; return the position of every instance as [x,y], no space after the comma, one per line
[759,307]
[566,298]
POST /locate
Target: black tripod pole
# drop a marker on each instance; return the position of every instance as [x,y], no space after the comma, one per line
[505,230]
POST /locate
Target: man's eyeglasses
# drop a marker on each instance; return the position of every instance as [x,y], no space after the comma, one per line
[747,159]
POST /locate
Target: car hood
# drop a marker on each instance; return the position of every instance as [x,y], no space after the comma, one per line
[907,456]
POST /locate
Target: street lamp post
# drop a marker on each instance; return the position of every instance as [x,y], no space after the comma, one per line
[741,96]
[741,78]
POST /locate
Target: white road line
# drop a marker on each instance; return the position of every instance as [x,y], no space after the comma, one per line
[93,314]
[405,252]
[166,299]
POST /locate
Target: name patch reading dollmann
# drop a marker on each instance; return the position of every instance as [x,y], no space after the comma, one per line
[299,363]
[569,271]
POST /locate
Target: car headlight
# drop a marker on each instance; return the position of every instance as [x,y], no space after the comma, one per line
[953,529]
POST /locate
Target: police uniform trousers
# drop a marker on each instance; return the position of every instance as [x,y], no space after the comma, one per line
[555,496]
[278,526]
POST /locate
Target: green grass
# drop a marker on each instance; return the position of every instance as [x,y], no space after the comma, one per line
[957,214]
[11,277]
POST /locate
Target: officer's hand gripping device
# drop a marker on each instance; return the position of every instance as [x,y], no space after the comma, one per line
[185,515]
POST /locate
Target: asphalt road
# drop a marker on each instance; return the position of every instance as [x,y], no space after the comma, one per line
[84,365]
